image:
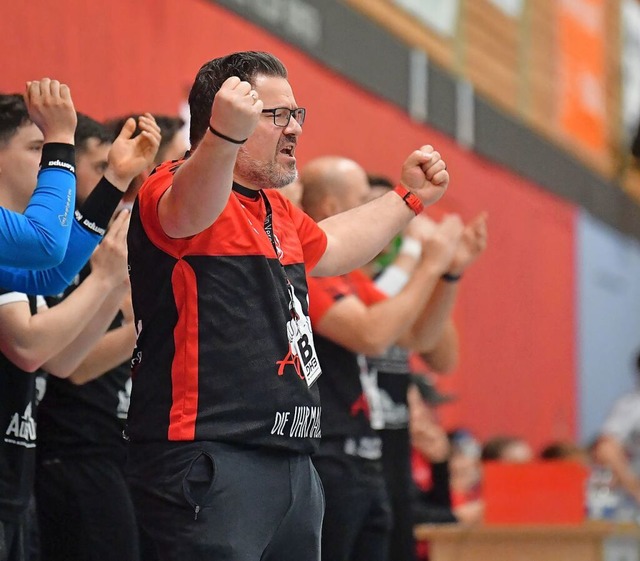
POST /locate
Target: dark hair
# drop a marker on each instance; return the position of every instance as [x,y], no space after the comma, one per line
[493,448]
[13,115]
[169,127]
[379,181]
[245,65]
[90,128]
[560,450]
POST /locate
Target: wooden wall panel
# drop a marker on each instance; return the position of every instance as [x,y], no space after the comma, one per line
[514,63]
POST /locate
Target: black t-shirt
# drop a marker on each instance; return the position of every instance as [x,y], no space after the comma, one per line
[349,408]
[18,441]
[345,407]
[88,419]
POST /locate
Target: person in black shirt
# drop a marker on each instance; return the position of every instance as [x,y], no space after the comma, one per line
[58,338]
[81,452]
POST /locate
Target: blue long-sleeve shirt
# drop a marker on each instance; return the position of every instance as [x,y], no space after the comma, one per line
[38,238]
[83,233]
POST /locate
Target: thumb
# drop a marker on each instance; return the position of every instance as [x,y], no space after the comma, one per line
[128,129]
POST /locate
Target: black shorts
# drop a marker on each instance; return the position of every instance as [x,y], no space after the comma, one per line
[211,500]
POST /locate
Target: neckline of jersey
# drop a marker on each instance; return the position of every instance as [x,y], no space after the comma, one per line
[245,191]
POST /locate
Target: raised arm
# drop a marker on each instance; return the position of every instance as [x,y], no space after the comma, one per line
[372,329]
[38,238]
[202,185]
[127,158]
[428,330]
[358,235]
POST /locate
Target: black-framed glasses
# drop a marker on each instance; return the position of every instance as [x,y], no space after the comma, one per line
[282,115]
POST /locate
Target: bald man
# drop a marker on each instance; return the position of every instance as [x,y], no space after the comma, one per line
[352,318]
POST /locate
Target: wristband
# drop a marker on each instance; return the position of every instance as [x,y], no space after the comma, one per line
[225,137]
[413,202]
[99,207]
[58,155]
[392,280]
[411,247]
[448,277]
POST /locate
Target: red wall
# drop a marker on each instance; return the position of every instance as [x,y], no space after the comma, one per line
[516,310]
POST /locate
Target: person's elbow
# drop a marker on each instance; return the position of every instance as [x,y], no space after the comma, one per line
[46,256]
[26,359]
[444,365]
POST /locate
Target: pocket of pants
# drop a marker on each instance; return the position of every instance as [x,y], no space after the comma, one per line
[197,485]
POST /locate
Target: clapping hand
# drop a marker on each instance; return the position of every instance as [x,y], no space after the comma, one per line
[129,156]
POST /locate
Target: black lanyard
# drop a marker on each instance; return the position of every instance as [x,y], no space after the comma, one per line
[268,229]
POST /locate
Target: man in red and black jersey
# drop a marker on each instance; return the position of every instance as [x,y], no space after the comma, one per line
[224,408]
[352,318]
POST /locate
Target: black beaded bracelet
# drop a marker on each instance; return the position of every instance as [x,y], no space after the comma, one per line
[448,277]
[225,137]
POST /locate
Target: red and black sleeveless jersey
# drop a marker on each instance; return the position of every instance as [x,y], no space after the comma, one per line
[212,360]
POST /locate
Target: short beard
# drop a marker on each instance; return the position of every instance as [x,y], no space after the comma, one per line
[269,175]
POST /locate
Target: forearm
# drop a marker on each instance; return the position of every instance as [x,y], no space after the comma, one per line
[113,349]
[38,238]
[355,237]
[444,356]
[46,333]
[431,323]
[390,320]
[87,230]
[393,278]
[611,453]
[628,479]
[54,281]
[66,362]
[200,189]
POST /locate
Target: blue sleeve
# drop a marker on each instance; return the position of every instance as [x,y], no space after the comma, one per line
[38,238]
[53,281]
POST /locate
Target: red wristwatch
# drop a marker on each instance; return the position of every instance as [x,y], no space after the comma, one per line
[413,202]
